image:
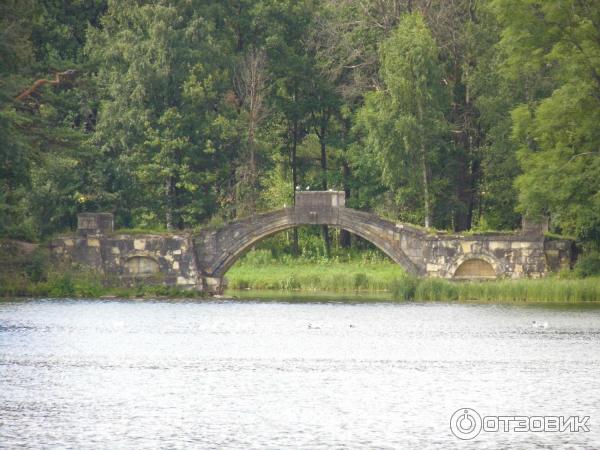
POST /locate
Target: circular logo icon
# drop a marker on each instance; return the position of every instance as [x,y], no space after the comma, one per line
[465,423]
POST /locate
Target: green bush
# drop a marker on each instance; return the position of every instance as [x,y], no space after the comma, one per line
[404,288]
[588,265]
[62,286]
[37,266]
[21,232]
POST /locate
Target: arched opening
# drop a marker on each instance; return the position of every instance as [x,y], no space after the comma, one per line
[141,265]
[473,269]
[245,243]
[218,249]
[268,264]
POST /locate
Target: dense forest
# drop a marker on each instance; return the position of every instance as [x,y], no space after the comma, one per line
[173,114]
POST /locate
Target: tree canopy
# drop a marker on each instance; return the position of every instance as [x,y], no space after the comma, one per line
[177,113]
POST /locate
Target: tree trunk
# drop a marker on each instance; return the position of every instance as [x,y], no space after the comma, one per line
[324,228]
[425,188]
[250,83]
[345,236]
[424,172]
[169,204]
[294,182]
[253,173]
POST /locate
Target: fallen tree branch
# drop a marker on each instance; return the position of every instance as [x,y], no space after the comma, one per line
[60,77]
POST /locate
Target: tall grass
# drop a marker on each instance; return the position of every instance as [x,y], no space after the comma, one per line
[259,272]
[312,276]
[551,289]
[84,284]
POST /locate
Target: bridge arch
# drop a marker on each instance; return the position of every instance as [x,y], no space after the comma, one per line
[221,248]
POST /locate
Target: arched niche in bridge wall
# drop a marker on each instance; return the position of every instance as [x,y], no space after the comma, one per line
[475,268]
[141,265]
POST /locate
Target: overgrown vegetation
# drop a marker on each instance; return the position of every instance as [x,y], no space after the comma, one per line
[37,278]
[78,285]
[541,290]
[588,265]
[367,272]
[259,270]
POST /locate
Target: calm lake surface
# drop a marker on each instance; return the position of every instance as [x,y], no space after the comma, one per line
[250,374]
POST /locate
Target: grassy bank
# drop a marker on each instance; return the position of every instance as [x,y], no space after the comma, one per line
[383,276]
[80,284]
[315,276]
[543,290]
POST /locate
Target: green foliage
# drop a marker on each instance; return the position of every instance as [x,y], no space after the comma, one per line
[36,267]
[46,166]
[314,275]
[404,288]
[588,265]
[436,289]
[388,277]
[75,283]
[404,123]
[164,115]
[189,112]
[556,126]
[61,286]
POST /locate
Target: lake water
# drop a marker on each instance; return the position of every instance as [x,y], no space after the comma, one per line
[250,374]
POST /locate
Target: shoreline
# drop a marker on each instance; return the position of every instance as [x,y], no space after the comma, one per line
[379,280]
[344,278]
[319,297]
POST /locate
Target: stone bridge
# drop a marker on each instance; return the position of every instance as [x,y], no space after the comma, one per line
[202,260]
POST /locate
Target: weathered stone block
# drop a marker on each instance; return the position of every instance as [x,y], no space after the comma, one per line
[466,247]
[93,242]
[94,223]
[320,199]
[534,226]
[139,244]
[499,245]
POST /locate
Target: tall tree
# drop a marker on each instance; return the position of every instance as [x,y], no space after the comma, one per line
[292,72]
[556,129]
[250,82]
[51,116]
[404,122]
[16,54]
[166,118]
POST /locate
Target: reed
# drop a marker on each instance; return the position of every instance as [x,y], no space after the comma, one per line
[311,276]
[382,276]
